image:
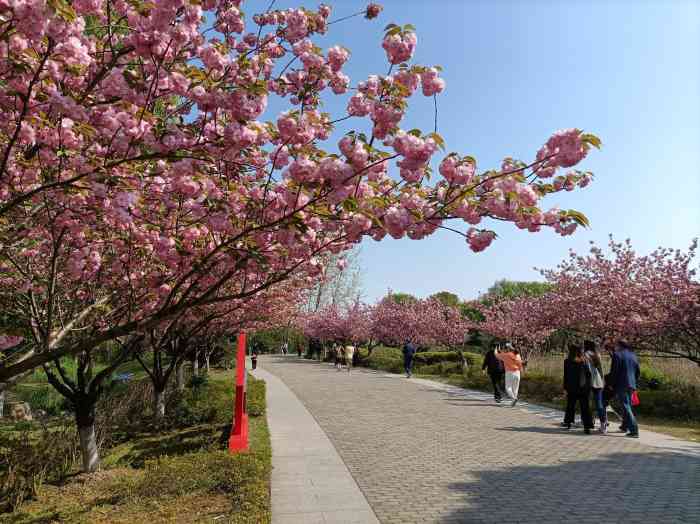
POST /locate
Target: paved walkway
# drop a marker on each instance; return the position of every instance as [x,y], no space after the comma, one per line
[310,482]
[424,452]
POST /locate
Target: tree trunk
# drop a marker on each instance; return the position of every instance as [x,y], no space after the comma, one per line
[206,362]
[85,419]
[2,403]
[195,364]
[158,404]
[180,376]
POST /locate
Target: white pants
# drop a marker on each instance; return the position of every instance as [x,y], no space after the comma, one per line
[512,383]
[348,360]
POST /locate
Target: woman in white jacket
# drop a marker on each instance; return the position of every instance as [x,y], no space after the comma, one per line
[349,352]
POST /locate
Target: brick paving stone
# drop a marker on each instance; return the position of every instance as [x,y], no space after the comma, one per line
[424,455]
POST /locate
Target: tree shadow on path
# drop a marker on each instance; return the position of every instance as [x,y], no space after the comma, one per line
[615,488]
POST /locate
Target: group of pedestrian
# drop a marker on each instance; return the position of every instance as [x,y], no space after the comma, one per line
[504,369]
[583,378]
[343,355]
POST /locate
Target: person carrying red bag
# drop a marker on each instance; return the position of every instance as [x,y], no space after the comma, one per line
[624,375]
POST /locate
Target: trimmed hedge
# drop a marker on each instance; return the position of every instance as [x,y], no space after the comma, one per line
[425,362]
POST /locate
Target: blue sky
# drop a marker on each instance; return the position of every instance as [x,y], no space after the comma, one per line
[516,71]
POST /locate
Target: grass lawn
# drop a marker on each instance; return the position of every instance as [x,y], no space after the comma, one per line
[178,475]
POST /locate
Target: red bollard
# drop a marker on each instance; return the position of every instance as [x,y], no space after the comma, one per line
[239,432]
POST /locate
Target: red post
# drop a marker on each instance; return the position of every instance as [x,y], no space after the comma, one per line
[239,432]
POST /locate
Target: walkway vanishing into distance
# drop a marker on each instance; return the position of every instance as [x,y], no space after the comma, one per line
[423,452]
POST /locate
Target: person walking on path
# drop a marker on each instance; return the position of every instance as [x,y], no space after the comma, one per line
[409,351]
[624,375]
[349,351]
[577,384]
[592,354]
[514,365]
[285,347]
[254,359]
[494,367]
[299,350]
[338,350]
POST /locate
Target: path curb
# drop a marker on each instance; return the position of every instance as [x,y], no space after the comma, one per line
[310,482]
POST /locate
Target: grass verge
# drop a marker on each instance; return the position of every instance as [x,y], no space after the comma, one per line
[175,475]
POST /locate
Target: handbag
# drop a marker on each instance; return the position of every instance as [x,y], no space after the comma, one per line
[634,400]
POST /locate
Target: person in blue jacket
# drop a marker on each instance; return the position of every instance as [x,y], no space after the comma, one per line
[409,351]
[624,374]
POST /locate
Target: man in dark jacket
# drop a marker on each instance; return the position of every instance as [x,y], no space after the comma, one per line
[624,374]
[496,371]
[409,351]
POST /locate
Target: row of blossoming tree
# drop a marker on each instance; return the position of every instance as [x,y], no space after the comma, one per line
[145,187]
[425,322]
[651,300]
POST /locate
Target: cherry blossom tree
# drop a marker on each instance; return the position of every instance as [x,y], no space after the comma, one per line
[332,324]
[426,322]
[651,300]
[526,321]
[138,180]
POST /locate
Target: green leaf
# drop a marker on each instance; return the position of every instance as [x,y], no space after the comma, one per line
[409,27]
[578,217]
[63,10]
[350,204]
[438,140]
[415,132]
[589,138]
[390,26]
[393,31]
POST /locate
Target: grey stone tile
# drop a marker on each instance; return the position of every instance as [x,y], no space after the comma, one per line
[425,452]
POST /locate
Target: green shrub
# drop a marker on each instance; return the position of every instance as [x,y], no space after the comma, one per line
[386,352]
[679,403]
[439,368]
[32,456]
[473,359]
[197,384]
[425,362]
[186,414]
[651,378]
[43,397]
[433,357]
[392,365]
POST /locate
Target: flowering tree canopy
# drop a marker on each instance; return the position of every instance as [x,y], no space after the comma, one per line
[139,178]
[426,322]
[653,301]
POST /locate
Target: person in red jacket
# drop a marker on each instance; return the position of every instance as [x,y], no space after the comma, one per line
[514,366]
